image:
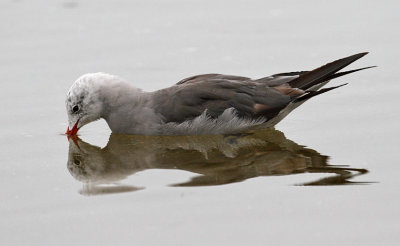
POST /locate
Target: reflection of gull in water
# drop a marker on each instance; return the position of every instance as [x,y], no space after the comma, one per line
[218,159]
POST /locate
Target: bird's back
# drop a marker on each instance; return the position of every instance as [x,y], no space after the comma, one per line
[214,100]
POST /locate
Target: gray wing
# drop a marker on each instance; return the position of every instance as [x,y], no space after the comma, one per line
[216,93]
[251,98]
[203,77]
[273,80]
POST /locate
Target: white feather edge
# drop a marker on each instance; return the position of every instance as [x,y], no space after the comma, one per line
[228,122]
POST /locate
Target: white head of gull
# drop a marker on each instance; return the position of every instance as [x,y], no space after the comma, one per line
[202,104]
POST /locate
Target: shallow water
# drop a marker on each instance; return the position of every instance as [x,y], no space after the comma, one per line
[217,160]
[260,188]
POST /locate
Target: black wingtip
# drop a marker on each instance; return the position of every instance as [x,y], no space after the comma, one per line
[336,75]
[321,74]
[363,53]
[357,56]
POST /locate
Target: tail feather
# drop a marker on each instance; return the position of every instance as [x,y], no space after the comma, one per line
[315,93]
[311,82]
[324,73]
[336,75]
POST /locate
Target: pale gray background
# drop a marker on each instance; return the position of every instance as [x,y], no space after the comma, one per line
[45,45]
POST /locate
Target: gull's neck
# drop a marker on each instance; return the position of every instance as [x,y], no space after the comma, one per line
[127,109]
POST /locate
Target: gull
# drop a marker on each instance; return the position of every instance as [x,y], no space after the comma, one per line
[198,105]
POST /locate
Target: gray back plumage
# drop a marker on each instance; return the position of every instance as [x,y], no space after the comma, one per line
[216,93]
[265,97]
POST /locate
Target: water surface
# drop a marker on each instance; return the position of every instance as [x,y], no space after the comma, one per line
[216,160]
[279,187]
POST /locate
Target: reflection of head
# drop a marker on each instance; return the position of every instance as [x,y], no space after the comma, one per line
[85,162]
[218,159]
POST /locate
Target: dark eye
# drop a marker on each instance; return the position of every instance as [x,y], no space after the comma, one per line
[75,109]
[77,162]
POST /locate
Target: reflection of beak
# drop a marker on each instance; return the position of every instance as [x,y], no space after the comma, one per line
[74,139]
[74,129]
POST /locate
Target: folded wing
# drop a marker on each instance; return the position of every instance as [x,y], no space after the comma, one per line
[265,97]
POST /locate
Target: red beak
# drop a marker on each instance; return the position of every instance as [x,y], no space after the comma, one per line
[74,138]
[74,130]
